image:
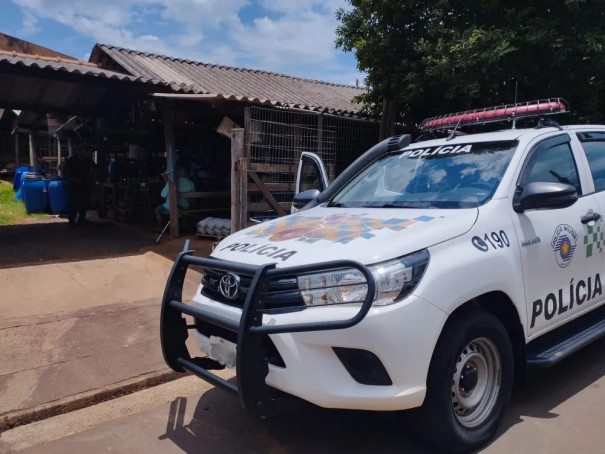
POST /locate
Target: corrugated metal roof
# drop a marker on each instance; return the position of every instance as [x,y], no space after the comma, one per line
[239,84]
[57,84]
[68,65]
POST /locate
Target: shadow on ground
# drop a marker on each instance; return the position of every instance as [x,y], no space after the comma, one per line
[31,244]
[219,424]
[545,389]
[47,242]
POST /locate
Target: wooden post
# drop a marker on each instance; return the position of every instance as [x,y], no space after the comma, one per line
[171,172]
[58,156]
[100,149]
[17,149]
[32,149]
[320,134]
[239,181]
[70,150]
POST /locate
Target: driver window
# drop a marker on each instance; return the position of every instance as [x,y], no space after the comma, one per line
[555,164]
[310,178]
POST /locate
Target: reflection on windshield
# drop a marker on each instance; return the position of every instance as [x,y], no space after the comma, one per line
[457,176]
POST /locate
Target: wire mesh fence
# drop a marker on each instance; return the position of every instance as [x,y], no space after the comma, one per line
[276,138]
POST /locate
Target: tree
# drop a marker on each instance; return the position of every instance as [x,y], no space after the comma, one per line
[438,56]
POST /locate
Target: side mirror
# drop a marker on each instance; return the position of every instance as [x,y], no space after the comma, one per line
[303,198]
[545,195]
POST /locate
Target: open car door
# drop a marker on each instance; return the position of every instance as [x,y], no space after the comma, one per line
[311,174]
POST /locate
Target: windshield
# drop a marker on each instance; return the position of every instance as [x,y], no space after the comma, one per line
[446,176]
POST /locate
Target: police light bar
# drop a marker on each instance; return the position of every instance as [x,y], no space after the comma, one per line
[498,113]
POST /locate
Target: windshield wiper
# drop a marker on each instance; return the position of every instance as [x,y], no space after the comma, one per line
[423,204]
[337,205]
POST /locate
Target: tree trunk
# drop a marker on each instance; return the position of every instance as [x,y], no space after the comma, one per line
[388,118]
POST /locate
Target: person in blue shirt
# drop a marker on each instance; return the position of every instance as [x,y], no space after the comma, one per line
[183,185]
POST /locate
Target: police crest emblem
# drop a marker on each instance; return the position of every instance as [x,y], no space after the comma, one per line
[564,244]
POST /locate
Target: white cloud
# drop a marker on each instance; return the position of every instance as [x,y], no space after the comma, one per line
[288,36]
[29,23]
[202,13]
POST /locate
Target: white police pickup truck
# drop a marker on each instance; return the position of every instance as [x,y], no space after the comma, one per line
[428,275]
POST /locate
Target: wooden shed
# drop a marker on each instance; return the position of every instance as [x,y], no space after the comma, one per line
[269,118]
[239,132]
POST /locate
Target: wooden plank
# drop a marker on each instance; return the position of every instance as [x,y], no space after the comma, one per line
[272,168]
[264,206]
[204,195]
[267,194]
[283,187]
[203,210]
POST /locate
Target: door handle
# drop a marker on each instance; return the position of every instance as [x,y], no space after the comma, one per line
[590,216]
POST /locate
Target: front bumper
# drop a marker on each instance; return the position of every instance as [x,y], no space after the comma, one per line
[402,336]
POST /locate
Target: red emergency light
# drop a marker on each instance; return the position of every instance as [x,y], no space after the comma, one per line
[498,113]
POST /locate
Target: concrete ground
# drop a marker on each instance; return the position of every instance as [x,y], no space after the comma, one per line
[79,314]
[79,325]
[558,410]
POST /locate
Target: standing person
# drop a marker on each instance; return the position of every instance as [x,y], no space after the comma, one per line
[184,184]
[79,170]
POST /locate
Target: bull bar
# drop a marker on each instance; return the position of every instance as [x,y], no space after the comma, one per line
[251,366]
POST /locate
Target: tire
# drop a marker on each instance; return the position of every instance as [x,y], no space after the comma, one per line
[462,412]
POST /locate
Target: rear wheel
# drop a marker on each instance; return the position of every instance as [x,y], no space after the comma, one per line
[469,383]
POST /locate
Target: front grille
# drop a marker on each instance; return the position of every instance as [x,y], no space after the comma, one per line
[283,293]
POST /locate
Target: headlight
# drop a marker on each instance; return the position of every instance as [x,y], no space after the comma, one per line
[395,279]
[333,287]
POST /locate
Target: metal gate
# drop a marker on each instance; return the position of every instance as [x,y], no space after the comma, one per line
[275,139]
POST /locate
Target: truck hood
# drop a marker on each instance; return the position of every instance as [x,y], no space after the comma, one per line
[367,235]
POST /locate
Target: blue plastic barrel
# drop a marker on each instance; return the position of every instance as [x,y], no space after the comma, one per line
[58,195]
[18,176]
[19,194]
[34,193]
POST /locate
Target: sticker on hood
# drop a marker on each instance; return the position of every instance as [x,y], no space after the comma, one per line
[336,228]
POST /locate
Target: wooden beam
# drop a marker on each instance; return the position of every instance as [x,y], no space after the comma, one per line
[272,168]
[239,187]
[58,154]
[274,204]
[204,195]
[273,187]
[32,149]
[264,206]
[320,133]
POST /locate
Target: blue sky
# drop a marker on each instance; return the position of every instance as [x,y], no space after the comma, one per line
[294,37]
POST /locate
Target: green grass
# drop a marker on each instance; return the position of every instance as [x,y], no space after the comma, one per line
[11,210]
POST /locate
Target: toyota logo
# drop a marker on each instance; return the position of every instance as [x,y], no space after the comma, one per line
[229,286]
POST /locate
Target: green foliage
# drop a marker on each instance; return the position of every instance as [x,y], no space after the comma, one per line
[439,56]
[12,210]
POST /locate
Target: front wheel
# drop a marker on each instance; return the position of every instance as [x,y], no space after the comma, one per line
[469,383]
